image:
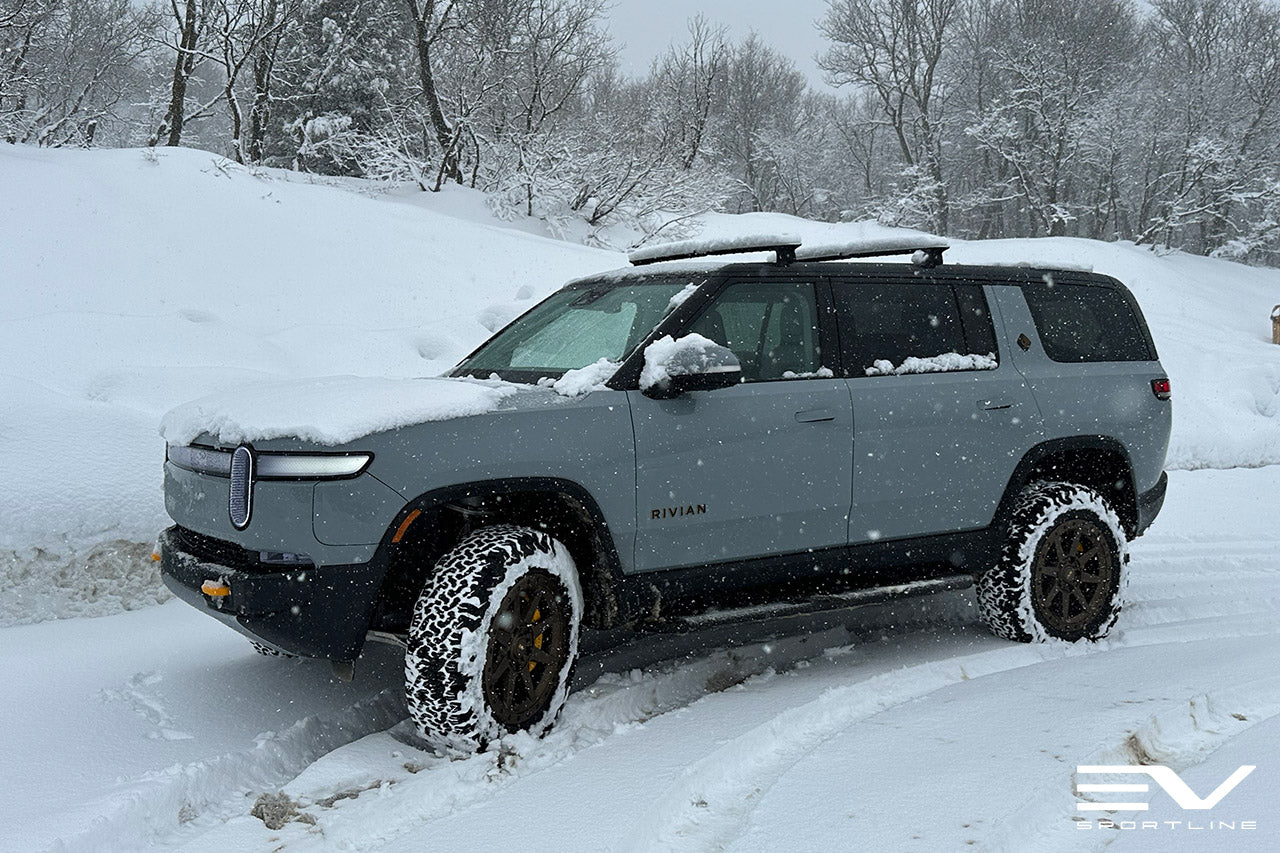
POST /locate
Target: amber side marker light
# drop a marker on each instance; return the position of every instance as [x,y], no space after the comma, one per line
[1161,388]
[404,525]
[213,589]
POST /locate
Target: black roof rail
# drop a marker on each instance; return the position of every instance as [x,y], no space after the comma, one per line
[783,245]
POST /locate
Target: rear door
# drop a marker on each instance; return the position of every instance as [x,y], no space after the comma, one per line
[941,416]
[759,469]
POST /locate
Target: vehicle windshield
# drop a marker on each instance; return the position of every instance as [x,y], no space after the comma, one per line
[576,327]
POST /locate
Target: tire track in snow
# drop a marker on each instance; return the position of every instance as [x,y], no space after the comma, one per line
[707,808]
[1179,737]
[142,811]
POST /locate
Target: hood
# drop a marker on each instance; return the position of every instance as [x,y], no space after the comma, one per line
[336,410]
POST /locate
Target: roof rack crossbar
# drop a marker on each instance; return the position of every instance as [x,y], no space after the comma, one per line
[922,256]
[783,246]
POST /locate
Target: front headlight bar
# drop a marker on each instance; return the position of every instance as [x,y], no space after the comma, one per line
[271,466]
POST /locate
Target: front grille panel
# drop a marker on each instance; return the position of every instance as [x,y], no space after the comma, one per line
[207,549]
[240,501]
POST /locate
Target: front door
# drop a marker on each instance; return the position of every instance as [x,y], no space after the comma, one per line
[762,468]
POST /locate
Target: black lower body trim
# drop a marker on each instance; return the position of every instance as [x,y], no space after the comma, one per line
[318,612]
[1150,502]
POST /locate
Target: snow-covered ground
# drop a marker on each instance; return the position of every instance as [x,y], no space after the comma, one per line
[163,729]
[130,283]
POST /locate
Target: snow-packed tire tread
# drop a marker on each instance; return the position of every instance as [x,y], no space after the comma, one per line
[451,608]
[1004,590]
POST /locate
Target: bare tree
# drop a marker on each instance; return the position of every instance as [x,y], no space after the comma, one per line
[432,21]
[896,49]
[1051,111]
[763,94]
[66,67]
[690,83]
[190,18]
[241,32]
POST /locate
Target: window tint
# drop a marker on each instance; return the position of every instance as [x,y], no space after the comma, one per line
[1079,322]
[574,328]
[975,317]
[895,321]
[771,328]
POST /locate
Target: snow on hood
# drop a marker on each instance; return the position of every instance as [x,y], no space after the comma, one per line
[331,410]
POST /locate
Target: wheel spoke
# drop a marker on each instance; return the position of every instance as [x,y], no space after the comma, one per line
[1052,589]
[501,664]
[1076,592]
[1091,554]
[543,657]
[534,604]
[509,687]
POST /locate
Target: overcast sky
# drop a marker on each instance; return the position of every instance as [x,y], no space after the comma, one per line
[644,28]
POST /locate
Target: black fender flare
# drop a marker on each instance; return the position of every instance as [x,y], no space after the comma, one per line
[1042,454]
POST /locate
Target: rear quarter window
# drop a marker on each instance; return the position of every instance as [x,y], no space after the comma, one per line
[1082,323]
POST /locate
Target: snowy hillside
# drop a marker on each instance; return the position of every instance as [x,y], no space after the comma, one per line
[133,282]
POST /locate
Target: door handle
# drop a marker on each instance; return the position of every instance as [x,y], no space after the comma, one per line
[994,405]
[813,416]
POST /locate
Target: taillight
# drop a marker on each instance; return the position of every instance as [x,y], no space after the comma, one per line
[1161,388]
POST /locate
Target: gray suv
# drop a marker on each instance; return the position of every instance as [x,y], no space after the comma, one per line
[687,437]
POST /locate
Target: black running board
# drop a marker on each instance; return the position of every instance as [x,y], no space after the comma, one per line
[621,649]
[840,601]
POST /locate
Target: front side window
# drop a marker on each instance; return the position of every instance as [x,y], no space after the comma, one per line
[891,328]
[574,328]
[771,328]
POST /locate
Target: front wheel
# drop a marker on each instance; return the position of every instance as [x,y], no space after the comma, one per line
[1061,573]
[493,638]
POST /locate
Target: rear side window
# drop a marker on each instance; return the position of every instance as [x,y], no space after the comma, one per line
[902,327]
[1079,323]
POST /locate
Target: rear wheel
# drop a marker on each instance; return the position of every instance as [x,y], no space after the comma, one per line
[493,638]
[1061,572]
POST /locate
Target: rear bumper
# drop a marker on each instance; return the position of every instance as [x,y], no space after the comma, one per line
[1150,502]
[319,612]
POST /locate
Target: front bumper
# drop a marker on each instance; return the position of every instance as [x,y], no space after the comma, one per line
[312,611]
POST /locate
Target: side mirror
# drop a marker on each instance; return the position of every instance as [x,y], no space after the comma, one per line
[692,363]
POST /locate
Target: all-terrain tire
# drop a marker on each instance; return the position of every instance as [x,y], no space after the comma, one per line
[1062,569]
[500,613]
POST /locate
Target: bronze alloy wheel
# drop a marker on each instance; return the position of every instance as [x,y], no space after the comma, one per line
[1073,576]
[528,648]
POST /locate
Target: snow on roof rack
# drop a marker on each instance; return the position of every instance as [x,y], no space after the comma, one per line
[784,245]
[925,249]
